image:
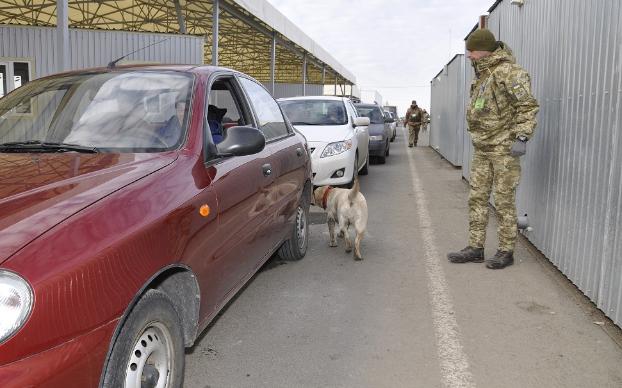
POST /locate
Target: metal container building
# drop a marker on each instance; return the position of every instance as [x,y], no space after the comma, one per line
[571,185]
[447,124]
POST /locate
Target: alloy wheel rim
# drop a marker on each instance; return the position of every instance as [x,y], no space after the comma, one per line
[301,229]
[150,362]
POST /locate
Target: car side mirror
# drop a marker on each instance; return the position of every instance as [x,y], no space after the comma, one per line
[388,120]
[361,122]
[240,141]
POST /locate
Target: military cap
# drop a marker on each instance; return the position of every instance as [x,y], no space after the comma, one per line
[481,40]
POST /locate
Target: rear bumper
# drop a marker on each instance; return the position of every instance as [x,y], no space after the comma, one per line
[76,363]
[377,147]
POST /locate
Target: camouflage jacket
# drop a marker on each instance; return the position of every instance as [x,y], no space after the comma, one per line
[414,116]
[501,107]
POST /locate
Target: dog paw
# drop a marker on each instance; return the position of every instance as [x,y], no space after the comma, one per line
[358,258]
[332,244]
[348,250]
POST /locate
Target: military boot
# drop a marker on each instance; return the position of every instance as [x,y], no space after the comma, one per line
[501,259]
[468,254]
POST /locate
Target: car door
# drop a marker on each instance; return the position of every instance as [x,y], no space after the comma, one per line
[387,125]
[239,183]
[287,159]
[362,135]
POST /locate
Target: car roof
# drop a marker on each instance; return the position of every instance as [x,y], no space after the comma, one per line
[326,98]
[195,69]
[364,105]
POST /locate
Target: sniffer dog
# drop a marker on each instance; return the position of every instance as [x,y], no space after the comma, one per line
[345,207]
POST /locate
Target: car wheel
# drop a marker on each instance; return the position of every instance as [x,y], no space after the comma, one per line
[382,159]
[365,169]
[388,147]
[393,137]
[295,247]
[149,350]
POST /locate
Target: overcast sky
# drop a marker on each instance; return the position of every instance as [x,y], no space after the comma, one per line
[393,46]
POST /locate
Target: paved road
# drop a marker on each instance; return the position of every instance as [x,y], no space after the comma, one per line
[405,317]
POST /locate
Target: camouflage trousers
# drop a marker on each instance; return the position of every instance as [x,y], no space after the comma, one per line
[413,134]
[500,174]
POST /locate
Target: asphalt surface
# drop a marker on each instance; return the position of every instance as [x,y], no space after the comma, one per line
[405,316]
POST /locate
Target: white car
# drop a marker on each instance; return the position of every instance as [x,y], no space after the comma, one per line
[338,138]
[392,124]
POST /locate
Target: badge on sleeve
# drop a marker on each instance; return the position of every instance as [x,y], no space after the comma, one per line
[479,103]
[519,91]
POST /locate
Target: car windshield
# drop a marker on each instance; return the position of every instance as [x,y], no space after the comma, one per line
[138,111]
[315,112]
[373,112]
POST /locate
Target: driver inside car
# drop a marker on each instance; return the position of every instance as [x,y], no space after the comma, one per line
[170,132]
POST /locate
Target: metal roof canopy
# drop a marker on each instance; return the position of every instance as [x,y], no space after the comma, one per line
[251,35]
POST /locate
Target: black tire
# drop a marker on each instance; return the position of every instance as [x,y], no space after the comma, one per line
[388,147]
[152,332]
[295,248]
[365,169]
[382,159]
[393,137]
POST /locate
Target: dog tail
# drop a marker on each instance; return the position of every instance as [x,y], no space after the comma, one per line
[354,191]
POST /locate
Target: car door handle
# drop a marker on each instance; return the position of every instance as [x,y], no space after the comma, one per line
[267,169]
[299,151]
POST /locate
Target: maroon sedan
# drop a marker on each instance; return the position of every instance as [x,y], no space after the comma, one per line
[134,204]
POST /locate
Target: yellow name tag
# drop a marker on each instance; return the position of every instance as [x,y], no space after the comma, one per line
[479,103]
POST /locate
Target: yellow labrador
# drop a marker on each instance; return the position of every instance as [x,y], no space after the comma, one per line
[346,207]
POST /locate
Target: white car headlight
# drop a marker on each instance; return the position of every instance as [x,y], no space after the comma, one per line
[336,148]
[15,303]
[376,138]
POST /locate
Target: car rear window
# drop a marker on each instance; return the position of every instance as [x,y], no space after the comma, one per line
[315,112]
[137,111]
[373,112]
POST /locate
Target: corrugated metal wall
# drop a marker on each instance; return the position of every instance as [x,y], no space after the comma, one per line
[571,185]
[90,48]
[282,90]
[447,111]
[467,145]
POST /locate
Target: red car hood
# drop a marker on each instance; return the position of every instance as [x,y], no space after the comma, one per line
[38,191]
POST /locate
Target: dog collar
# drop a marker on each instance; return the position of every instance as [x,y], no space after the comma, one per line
[325,196]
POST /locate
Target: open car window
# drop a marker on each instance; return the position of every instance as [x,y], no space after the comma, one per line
[225,109]
[136,111]
[373,112]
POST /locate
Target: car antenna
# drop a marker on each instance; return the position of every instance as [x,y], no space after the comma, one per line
[112,64]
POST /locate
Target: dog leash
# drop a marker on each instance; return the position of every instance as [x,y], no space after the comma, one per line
[325,196]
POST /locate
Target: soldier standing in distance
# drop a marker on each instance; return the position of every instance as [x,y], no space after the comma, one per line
[501,117]
[425,121]
[414,119]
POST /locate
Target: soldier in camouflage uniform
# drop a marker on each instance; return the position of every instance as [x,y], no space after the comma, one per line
[426,120]
[501,117]
[414,119]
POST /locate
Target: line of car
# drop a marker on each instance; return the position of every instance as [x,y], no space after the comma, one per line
[136,201]
[343,136]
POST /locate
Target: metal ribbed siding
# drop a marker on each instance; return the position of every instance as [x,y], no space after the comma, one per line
[282,90]
[467,151]
[447,111]
[571,185]
[90,48]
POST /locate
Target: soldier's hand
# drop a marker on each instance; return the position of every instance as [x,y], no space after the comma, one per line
[519,148]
